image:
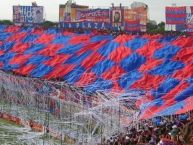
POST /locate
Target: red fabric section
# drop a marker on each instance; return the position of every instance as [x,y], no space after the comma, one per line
[175,22]
[149,48]
[169,98]
[91,46]
[59,71]
[17,36]
[120,53]
[184,73]
[66,33]
[185,55]
[45,38]
[175,8]
[20,59]
[183,42]
[149,112]
[1,64]
[176,15]
[79,39]
[148,82]
[113,73]
[150,64]
[57,59]
[91,60]
[123,38]
[12,28]
[51,49]
[1,42]
[99,45]
[1,52]
[152,37]
[117,88]
[38,31]
[186,107]
[86,48]
[20,47]
[25,70]
[86,79]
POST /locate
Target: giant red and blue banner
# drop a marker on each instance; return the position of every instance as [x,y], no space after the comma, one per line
[28,14]
[176,15]
[95,15]
[158,66]
[189,19]
[180,17]
[132,26]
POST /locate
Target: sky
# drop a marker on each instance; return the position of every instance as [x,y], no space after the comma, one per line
[51,7]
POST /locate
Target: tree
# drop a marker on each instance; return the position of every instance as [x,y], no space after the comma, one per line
[48,24]
[6,22]
[161,27]
[153,27]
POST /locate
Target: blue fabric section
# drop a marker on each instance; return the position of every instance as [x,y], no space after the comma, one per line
[108,48]
[70,49]
[7,46]
[74,75]
[26,29]
[4,36]
[167,68]
[132,62]
[166,52]
[99,84]
[167,39]
[156,102]
[171,110]
[183,117]
[37,59]
[41,70]
[128,79]
[136,43]
[190,80]
[30,38]
[101,37]
[34,48]
[77,59]
[8,67]
[61,39]
[185,94]
[165,87]
[182,20]
[52,31]
[176,11]
[102,66]
[2,28]
[156,121]
[6,57]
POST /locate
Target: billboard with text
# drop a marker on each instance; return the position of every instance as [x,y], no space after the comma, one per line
[28,14]
[95,15]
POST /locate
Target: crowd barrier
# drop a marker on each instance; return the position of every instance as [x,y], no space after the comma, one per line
[37,127]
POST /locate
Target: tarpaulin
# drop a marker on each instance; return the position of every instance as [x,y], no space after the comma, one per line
[159,66]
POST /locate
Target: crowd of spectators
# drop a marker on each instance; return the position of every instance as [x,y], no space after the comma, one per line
[175,130]
[116,33]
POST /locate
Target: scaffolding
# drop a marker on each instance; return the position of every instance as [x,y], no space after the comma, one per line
[78,117]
